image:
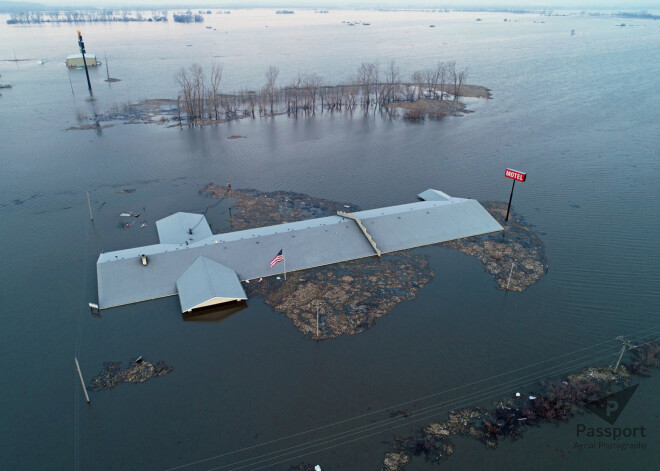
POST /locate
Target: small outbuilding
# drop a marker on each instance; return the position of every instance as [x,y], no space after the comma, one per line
[207,283]
[76,60]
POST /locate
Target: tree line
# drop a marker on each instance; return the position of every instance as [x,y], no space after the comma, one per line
[84,16]
[373,87]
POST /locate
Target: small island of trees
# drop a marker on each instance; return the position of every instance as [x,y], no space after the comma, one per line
[430,92]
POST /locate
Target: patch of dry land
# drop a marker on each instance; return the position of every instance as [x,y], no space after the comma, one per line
[351,295]
[439,108]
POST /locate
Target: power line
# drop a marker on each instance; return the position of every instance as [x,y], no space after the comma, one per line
[78,346]
[429,411]
[319,442]
[457,406]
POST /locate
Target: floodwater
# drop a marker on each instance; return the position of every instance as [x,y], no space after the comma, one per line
[578,113]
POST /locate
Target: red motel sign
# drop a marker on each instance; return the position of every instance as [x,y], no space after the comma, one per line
[515,175]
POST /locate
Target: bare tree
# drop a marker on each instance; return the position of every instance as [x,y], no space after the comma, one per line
[418,80]
[312,83]
[452,77]
[199,93]
[271,78]
[216,78]
[462,76]
[390,89]
[185,92]
[441,70]
[367,80]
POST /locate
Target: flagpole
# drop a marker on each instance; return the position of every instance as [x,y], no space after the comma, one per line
[284,257]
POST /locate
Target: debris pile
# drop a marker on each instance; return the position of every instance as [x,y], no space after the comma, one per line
[557,401]
[516,246]
[350,296]
[140,371]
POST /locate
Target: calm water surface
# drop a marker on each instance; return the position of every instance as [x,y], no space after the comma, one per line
[578,113]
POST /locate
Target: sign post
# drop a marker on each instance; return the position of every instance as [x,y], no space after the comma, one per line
[515,175]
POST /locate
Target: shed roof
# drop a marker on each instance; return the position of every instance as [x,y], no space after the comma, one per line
[207,283]
[79,56]
[174,228]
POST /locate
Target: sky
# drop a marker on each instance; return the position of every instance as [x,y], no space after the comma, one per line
[337,4]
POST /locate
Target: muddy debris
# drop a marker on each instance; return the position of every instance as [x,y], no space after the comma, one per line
[255,208]
[112,373]
[345,306]
[517,245]
[556,400]
[351,295]
[395,461]
[302,467]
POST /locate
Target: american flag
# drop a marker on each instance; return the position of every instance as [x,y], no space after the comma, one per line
[278,258]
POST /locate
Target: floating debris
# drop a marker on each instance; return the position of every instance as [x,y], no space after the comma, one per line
[137,371]
[558,401]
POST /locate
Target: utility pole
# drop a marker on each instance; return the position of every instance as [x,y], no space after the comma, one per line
[81,44]
[81,380]
[510,273]
[626,344]
[89,205]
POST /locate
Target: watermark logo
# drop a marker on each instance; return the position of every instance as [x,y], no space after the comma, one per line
[610,407]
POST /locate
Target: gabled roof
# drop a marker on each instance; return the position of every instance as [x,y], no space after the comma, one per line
[206,283]
[174,228]
[122,279]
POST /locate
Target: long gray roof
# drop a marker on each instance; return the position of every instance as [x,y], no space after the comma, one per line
[305,244]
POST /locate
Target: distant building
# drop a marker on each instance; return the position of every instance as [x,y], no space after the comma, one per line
[76,60]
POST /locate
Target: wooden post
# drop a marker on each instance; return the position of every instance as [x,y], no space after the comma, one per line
[81,380]
[89,205]
[70,83]
[510,273]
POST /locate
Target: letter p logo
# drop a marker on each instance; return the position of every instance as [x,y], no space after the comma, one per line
[612,406]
